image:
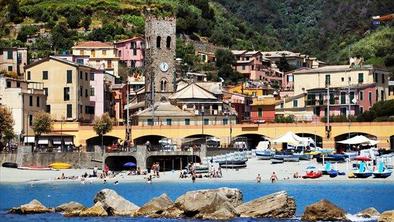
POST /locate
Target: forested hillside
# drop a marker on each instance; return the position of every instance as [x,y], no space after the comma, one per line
[330,30]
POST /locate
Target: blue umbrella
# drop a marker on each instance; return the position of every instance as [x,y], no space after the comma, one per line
[129,164]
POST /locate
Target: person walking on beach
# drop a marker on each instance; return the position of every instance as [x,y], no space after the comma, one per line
[274,178]
[194,177]
[258,178]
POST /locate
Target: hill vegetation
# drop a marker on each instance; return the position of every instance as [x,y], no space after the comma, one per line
[328,30]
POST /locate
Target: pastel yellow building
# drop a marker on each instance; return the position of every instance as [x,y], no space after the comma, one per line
[101,55]
[242,88]
[342,76]
[67,86]
[295,106]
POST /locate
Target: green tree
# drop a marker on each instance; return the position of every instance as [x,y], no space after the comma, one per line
[26,30]
[6,125]
[42,123]
[14,13]
[224,61]
[102,125]
[86,23]
[186,52]
[62,38]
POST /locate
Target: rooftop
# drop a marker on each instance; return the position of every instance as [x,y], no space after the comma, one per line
[193,91]
[163,109]
[332,68]
[94,44]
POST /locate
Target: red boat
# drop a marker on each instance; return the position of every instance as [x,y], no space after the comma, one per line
[362,158]
[312,175]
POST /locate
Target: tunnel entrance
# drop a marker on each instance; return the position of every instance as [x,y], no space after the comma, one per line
[169,163]
[115,163]
[343,147]
[251,140]
[96,141]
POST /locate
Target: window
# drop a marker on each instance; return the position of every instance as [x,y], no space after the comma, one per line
[282,105]
[48,108]
[260,112]
[381,95]
[80,61]
[163,85]
[377,95]
[92,53]
[343,111]
[343,79]
[168,42]
[206,121]
[44,75]
[86,76]
[69,76]
[38,101]
[243,67]
[361,109]
[370,97]
[158,41]
[8,84]
[351,97]
[18,84]
[86,93]
[169,122]
[9,54]
[361,96]
[383,79]
[360,77]
[89,110]
[80,109]
[134,52]
[187,122]
[9,68]
[343,98]
[295,103]
[30,120]
[69,110]
[328,80]
[80,75]
[225,121]
[104,52]
[80,91]
[149,122]
[66,93]
[375,77]
[91,76]
[30,100]
[28,75]
[109,64]
[92,91]
[332,99]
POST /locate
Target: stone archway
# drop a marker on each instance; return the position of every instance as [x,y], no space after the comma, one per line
[115,163]
[252,139]
[341,147]
[96,141]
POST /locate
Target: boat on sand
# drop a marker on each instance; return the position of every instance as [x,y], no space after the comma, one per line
[60,165]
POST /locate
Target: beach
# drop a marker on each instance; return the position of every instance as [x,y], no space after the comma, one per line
[283,171]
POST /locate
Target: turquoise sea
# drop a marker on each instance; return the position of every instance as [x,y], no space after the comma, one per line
[351,196]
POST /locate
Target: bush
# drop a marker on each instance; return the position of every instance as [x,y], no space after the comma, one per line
[26,31]
[285,119]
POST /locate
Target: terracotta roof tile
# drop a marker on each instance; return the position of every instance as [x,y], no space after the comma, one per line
[94,44]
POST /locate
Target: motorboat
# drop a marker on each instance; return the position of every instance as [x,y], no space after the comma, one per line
[233,166]
[331,158]
[291,158]
[382,171]
[263,152]
[362,171]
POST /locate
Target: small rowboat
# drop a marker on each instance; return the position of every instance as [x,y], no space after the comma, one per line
[60,165]
[33,168]
[9,165]
[276,161]
[312,175]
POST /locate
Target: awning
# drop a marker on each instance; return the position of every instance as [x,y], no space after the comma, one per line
[290,138]
[66,140]
[28,139]
[360,139]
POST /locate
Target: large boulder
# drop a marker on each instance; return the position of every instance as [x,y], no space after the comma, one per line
[172,212]
[324,210]
[209,204]
[97,210]
[276,205]
[368,213]
[387,216]
[115,204]
[155,207]
[70,206]
[34,207]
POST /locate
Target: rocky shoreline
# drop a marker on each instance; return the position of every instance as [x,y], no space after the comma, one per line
[210,204]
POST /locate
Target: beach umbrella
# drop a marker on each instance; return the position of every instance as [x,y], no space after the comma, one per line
[129,164]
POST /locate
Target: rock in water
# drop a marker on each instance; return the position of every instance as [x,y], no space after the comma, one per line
[276,205]
[324,210]
[115,204]
[368,213]
[209,204]
[387,216]
[70,206]
[155,207]
[34,207]
[97,210]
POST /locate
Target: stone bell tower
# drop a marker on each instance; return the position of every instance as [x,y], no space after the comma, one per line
[160,44]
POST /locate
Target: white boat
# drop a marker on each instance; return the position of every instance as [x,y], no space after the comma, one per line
[263,152]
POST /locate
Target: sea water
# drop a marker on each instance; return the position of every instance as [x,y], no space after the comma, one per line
[351,196]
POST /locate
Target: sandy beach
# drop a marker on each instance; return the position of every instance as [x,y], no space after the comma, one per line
[284,172]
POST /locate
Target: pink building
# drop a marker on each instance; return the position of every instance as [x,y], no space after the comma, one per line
[131,51]
[119,93]
[100,92]
[359,98]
